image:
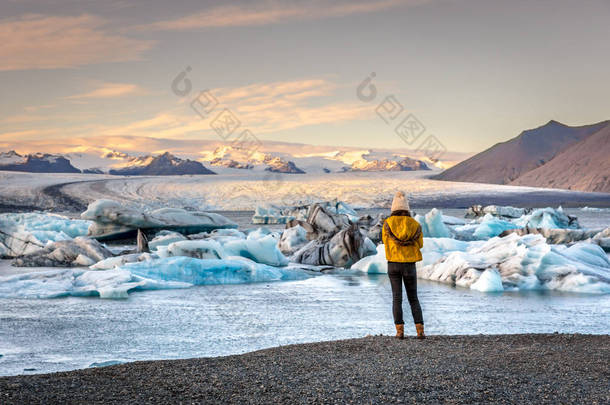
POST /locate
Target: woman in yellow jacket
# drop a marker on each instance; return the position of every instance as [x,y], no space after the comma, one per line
[403,240]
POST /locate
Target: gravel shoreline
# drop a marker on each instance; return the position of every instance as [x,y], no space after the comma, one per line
[541,368]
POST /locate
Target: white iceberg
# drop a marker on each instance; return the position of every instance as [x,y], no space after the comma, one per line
[489,281]
[164,238]
[548,218]
[523,263]
[260,249]
[432,224]
[118,261]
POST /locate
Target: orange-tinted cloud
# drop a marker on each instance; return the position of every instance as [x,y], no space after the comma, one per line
[110,90]
[50,42]
[270,13]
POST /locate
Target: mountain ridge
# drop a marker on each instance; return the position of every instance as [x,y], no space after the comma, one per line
[583,166]
[506,161]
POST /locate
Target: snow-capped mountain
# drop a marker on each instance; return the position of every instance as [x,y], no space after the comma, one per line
[100,160]
[242,158]
[36,163]
[223,158]
[161,165]
[387,165]
[278,165]
[10,158]
[323,162]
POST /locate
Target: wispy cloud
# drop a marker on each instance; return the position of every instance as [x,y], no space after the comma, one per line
[110,90]
[51,42]
[272,13]
[261,107]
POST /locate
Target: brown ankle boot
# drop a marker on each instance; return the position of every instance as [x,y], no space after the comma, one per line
[400,331]
[419,327]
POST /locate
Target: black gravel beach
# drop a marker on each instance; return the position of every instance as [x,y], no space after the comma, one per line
[557,368]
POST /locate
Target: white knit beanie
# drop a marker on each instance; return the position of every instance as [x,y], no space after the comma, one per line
[400,202]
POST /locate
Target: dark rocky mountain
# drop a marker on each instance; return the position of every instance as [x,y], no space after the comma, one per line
[36,163]
[505,162]
[584,166]
[161,165]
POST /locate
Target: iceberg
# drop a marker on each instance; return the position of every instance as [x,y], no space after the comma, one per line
[600,237]
[292,239]
[156,274]
[489,281]
[212,271]
[432,224]
[164,238]
[270,214]
[118,261]
[343,249]
[114,284]
[79,251]
[491,226]
[200,249]
[261,249]
[374,264]
[26,233]
[496,211]
[112,220]
[219,235]
[548,218]
[522,262]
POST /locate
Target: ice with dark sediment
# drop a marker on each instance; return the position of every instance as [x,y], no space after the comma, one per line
[273,214]
[24,233]
[331,237]
[111,220]
[80,251]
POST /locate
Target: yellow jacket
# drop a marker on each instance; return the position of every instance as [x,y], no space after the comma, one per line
[403,239]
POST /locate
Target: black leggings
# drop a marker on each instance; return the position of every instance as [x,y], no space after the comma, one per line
[399,272]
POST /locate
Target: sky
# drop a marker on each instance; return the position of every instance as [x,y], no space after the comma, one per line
[470,72]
